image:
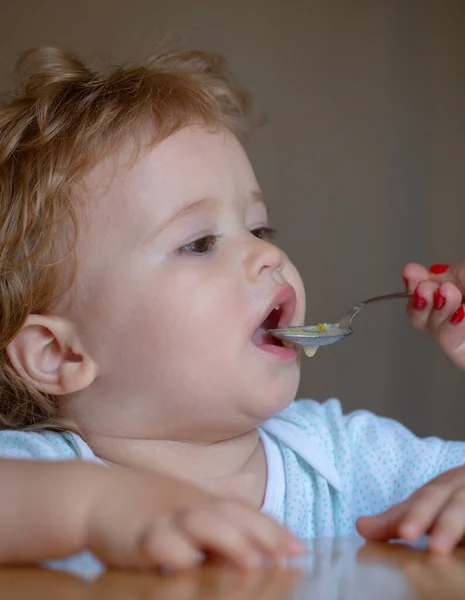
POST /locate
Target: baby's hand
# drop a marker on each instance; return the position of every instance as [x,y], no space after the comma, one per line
[436,305]
[437,509]
[140,520]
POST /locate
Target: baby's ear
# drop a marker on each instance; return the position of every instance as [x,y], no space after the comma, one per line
[49,356]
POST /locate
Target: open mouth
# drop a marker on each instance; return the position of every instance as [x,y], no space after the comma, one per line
[272,321]
[279,314]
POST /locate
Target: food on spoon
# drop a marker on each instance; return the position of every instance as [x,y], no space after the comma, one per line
[310,350]
[316,329]
[300,335]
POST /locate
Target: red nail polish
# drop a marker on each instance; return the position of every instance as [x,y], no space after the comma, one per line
[439,300]
[458,316]
[405,281]
[419,303]
[438,269]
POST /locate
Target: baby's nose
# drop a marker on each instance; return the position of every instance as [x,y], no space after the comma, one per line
[278,276]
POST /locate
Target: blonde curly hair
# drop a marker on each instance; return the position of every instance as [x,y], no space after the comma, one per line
[62,119]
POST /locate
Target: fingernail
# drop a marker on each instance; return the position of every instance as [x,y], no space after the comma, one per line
[439,300]
[458,316]
[438,269]
[419,303]
[406,282]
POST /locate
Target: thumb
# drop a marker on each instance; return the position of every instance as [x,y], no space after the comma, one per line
[376,528]
[414,273]
[382,527]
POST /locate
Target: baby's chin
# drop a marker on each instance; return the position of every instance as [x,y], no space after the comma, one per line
[273,403]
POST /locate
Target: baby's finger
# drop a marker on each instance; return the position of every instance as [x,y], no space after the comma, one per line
[423,508]
[449,526]
[385,526]
[169,549]
[213,533]
[267,534]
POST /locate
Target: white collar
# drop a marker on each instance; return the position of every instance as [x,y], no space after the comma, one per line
[309,448]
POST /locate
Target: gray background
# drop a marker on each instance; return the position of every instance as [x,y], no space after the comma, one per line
[362,159]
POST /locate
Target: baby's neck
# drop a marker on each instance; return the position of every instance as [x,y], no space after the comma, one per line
[234,467]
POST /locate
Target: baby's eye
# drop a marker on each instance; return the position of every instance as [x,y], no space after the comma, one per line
[264,233]
[203,245]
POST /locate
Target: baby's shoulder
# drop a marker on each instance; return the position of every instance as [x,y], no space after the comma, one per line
[42,445]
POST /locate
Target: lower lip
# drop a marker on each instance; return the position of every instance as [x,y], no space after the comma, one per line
[281,352]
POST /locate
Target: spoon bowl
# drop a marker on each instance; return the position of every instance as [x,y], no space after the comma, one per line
[311,337]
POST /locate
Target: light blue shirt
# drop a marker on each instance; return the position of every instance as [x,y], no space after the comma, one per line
[325,469]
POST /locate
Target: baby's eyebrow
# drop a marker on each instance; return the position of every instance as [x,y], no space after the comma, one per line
[204,205]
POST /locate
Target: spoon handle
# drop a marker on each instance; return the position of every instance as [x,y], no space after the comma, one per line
[348,318]
[393,297]
[387,297]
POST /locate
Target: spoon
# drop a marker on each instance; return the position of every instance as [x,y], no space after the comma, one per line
[311,337]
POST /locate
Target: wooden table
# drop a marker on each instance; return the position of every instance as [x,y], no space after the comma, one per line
[333,569]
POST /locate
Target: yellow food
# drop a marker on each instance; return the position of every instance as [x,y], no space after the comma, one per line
[310,350]
[316,329]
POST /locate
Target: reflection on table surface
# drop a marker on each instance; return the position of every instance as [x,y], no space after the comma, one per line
[333,569]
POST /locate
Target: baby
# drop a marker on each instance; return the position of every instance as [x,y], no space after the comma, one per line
[153,414]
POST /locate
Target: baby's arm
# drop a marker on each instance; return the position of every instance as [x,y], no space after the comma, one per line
[44,508]
[126,518]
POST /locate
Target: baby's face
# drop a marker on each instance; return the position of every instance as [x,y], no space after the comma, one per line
[173,284]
